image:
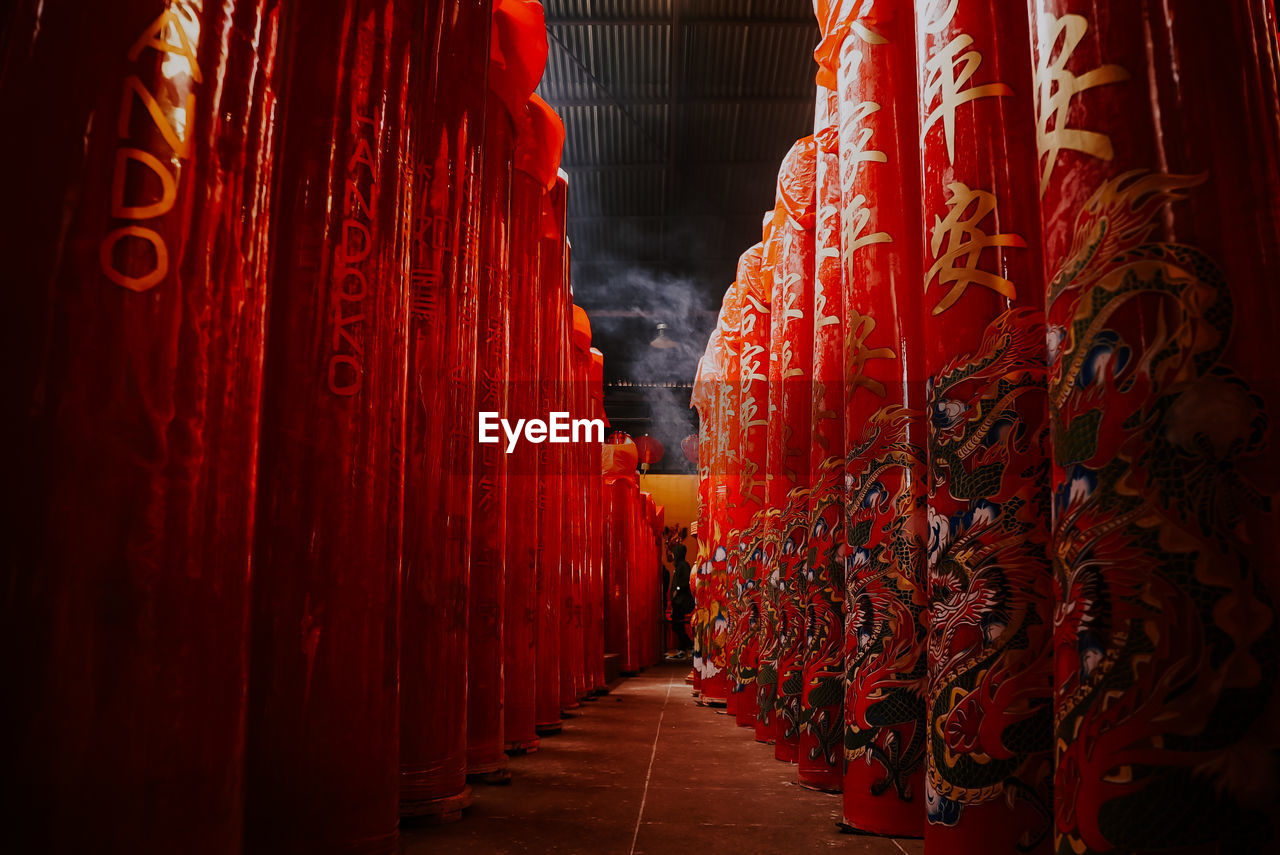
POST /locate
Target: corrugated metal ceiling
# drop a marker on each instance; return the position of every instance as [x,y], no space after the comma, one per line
[671,164]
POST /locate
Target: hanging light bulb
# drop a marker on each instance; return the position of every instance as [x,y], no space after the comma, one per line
[663,341]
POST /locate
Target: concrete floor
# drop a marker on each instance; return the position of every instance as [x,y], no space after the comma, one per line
[645,770]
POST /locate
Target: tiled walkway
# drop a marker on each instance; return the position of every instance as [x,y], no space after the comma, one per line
[645,770]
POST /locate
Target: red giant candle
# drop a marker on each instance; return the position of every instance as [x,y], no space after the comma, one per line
[1159,175]
[518,44]
[488,503]
[577,498]
[770,533]
[753,376]
[551,536]
[621,492]
[141,139]
[595,509]
[536,158]
[728,440]
[322,721]
[793,322]
[871,51]
[822,683]
[989,714]
[444,270]
[711,591]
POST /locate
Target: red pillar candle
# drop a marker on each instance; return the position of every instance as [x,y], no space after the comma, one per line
[872,54]
[444,270]
[989,712]
[775,492]
[539,140]
[551,538]
[642,570]
[1159,175]
[696,589]
[728,441]
[700,400]
[618,466]
[578,498]
[518,55]
[579,339]
[140,280]
[322,722]
[822,683]
[753,377]
[792,298]
[595,509]
[485,648]
[522,513]
[615,556]
[713,569]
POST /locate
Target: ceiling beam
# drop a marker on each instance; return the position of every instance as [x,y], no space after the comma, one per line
[649,166]
[673,96]
[662,21]
[695,101]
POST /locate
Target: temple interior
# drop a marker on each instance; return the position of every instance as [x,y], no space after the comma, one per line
[642,426]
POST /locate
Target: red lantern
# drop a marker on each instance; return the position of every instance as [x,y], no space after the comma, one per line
[689,448]
[650,451]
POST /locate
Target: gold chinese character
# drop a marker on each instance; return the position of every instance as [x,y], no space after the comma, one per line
[853,221]
[947,74]
[857,353]
[964,243]
[935,19]
[855,137]
[1055,87]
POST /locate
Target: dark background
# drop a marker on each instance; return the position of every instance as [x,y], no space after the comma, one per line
[677,115]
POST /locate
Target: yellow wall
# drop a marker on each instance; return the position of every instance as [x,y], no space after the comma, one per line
[678,494]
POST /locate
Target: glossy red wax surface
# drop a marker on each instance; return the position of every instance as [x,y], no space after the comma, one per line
[753,376]
[822,672]
[133,437]
[1160,179]
[487,595]
[886,487]
[523,513]
[793,318]
[322,720]
[988,703]
[553,292]
[447,118]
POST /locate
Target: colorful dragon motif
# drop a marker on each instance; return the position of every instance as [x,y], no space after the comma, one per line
[744,642]
[792,595]
[716,631]
[823,658]
[887,602]
[989,702]
[767,673]
[1165,636]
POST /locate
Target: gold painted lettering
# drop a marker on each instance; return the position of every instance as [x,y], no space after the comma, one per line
[957,243]
[1056,87]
